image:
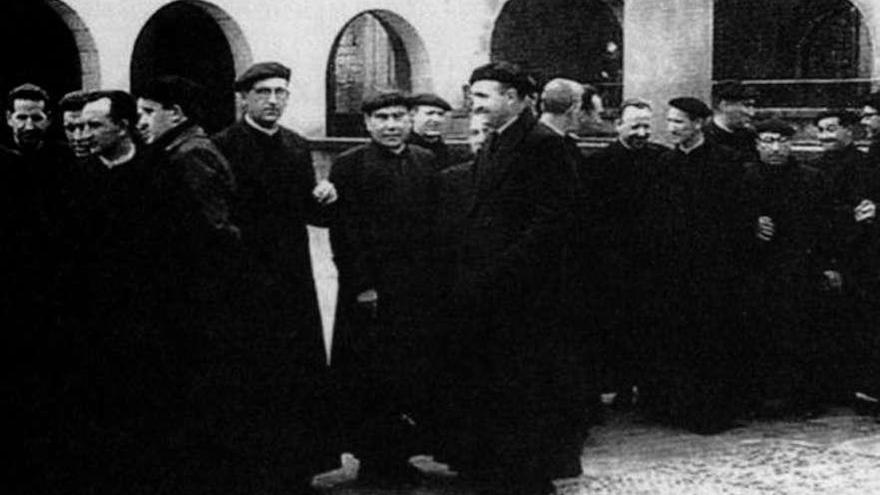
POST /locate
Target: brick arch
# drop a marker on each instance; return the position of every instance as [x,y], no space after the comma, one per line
[90,69]
[241,49]
[616,7]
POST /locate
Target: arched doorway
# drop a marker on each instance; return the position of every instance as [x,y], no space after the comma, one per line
[795,53]
[377,50]
[198,40]
[576,39]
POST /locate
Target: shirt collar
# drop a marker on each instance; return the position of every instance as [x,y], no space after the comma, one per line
[249,121]
[121,160]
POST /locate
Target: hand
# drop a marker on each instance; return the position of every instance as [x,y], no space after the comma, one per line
[369,301]
[766,228]
[833,279]
[325,192]
[866,210]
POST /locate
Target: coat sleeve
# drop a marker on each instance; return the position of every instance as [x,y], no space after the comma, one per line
[351,238]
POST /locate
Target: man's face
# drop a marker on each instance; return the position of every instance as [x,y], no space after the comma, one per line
[75,131]
[428,121]
[478,131]
[594,116]
[104,135]
[773,148]
[389,126]
[266,101]
[682,130]
[833,135]
[634,127]
[738,114]
[28,121]
[493,101]
[871,121]
[154,120]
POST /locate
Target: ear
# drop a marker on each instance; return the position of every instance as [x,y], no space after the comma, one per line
[177,114]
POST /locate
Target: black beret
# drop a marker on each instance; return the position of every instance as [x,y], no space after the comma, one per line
[260,71]
[732,91]
[386,99]
[844,116]
[775,126]
[173,90]
[429,100]
[505,73]
[695,108]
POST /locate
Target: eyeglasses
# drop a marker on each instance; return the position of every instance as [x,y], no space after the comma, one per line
[266,93]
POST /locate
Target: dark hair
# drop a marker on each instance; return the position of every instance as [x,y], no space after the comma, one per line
[73,101]
[730,91]
[26,91]
[122,107]
[173,90]
[846,117]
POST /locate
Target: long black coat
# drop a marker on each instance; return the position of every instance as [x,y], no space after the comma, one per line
[703,228]
[282,371]
[510,389]
[383,239]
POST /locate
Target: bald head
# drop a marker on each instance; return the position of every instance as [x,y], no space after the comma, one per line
[561,95]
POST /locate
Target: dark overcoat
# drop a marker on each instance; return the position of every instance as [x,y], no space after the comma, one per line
[510,382]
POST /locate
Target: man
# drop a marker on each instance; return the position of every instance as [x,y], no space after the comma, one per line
[733,110]
[849,210]
[70,107]
[27,114]
[694,384]
[429,121]
[507,395]
[871,123]
[277,197]
[782,201]
[478,131]
[592,108]
[382,245]
[617,248]
[192,271]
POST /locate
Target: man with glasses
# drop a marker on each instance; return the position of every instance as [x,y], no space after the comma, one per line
[280,331]
[781,203]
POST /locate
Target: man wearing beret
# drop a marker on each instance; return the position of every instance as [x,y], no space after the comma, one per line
[782,201]
[382,243]
[280,328]
[429,120]
[731,125]
[850,212]
[507,396]
[617,248]
[700,218]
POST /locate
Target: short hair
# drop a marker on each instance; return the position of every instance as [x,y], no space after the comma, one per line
[508,74]
[846,117]
[173,90]
[73,101]
[559,95]
[122,106]
[385,99]
[587,97]
[872,100]
[26,91]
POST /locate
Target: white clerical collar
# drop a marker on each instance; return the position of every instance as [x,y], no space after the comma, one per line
[269,132]
[687,151]
[127,157]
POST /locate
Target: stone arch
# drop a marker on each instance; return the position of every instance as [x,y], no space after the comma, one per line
[198,40]
[375,50]
[88,51]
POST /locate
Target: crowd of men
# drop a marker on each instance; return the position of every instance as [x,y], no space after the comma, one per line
[163,332]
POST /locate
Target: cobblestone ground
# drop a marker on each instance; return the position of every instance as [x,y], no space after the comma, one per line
[836,453]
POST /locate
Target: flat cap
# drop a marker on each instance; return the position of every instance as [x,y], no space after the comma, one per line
[429,100]
[775,126]
[385,99]
[695,108]
[506,73]
[260,71]
[732,90]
